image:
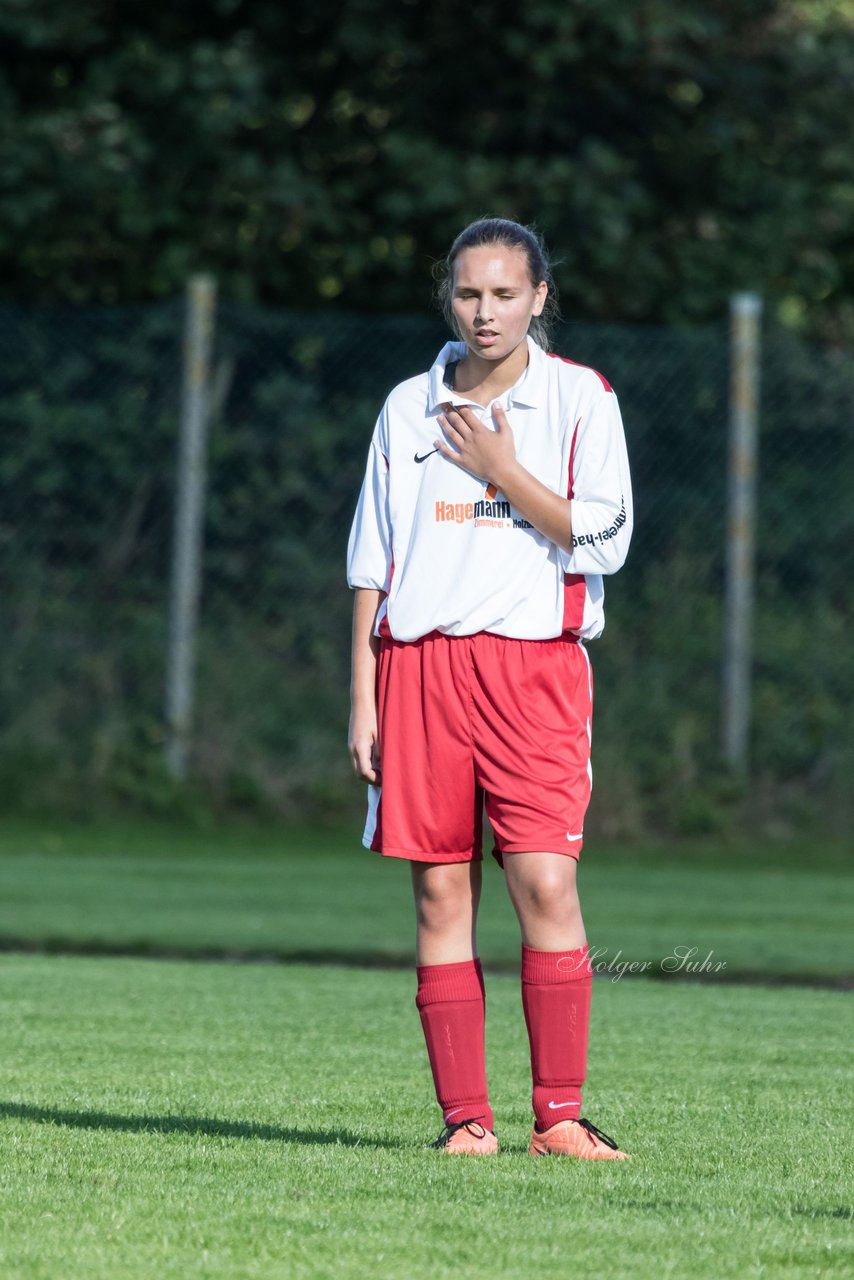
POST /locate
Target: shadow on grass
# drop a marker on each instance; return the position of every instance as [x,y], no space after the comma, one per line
[95,948]
[843,1211]
[188,1125]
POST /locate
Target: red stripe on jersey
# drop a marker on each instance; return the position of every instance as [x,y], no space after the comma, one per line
[570,492]
[574,585]
[605,383]
[384,627]
[574,595]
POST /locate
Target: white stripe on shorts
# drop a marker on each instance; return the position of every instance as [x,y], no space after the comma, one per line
[371,820]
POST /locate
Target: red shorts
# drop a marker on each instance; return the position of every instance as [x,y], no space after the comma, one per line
[463,719]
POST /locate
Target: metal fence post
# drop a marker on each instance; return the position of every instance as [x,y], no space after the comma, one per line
[189,520]
[745,319]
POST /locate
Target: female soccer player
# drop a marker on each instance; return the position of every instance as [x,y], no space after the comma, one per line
[496,495]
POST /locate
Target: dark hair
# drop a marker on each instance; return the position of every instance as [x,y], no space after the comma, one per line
[512,235]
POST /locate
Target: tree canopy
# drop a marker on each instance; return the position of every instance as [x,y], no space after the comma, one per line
[319,154]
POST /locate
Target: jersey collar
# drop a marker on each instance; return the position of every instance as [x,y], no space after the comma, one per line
[527,392]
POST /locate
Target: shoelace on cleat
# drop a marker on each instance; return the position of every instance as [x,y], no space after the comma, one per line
[593,1132]
[471,1126]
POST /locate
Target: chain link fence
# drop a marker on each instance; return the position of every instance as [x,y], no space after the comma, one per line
[88,426]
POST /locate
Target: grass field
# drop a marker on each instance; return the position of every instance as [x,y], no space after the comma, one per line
[182,1120]
[178,1120]
[777,910]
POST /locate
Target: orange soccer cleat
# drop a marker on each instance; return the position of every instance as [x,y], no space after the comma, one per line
[468,1138]
[577,1138]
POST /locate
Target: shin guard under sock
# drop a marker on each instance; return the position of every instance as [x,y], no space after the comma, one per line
[556,988]
[451,1005]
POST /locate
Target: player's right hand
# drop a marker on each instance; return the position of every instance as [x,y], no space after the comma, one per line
[363,745]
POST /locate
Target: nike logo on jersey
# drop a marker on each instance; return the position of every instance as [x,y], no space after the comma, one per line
[425,456]
[556,1106]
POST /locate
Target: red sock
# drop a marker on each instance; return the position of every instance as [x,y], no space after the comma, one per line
[451,1002]
[556,998]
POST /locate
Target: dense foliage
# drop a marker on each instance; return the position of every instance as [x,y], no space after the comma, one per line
[319,154]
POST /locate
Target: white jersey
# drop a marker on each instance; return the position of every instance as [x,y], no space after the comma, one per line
[452,554]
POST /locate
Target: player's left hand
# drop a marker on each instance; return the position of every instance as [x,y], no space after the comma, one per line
[472,446]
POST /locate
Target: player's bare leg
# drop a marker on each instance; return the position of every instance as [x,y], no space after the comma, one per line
[556,986]
[543,891]
[451,1002]
[447,896]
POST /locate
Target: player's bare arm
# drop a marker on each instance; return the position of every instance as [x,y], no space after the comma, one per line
[491,456]
[363,738]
